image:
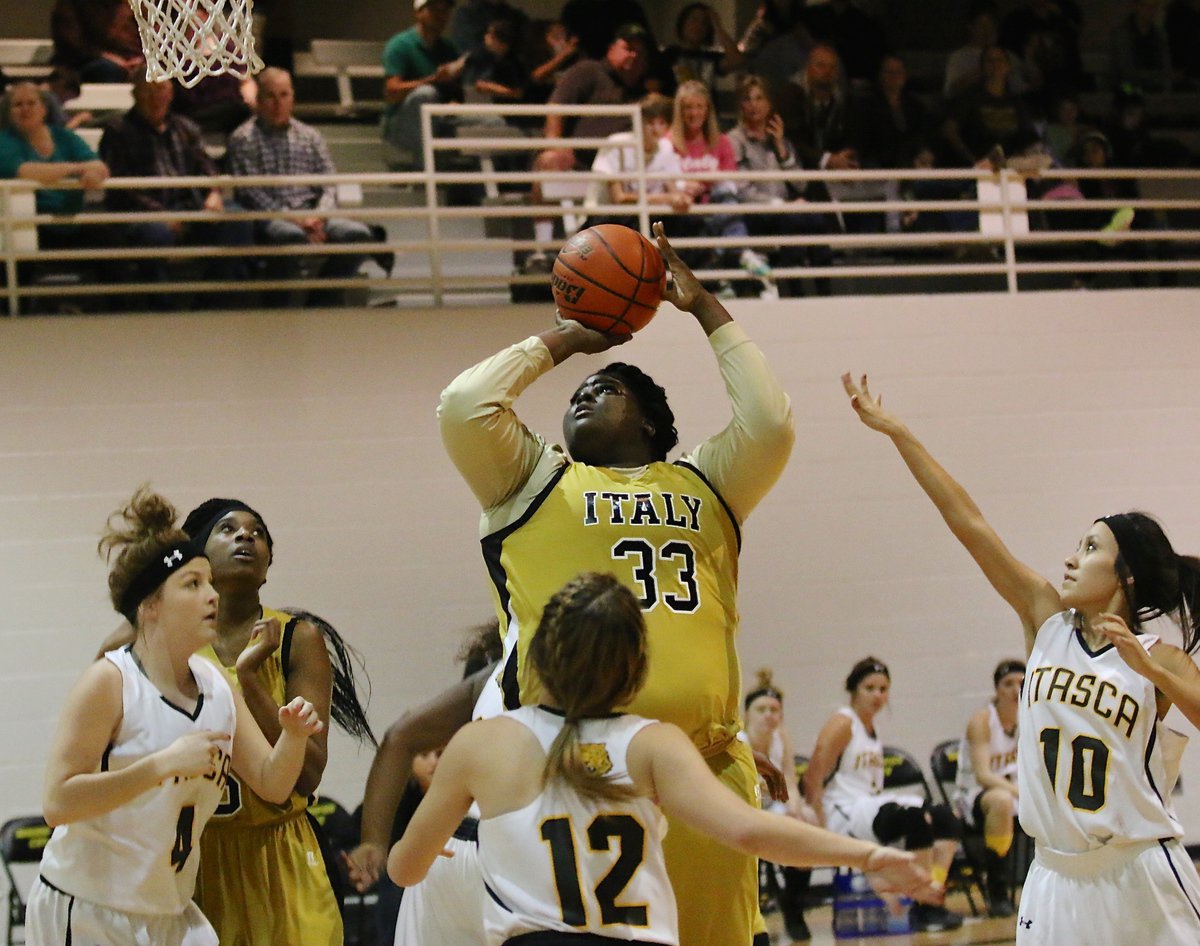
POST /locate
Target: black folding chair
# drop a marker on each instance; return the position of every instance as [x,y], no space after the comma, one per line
[967,871]
[21,842]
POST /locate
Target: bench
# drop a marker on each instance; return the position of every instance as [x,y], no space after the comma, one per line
[26,58]
[343,59]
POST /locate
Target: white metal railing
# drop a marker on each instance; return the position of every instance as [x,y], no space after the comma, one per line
[1007,250]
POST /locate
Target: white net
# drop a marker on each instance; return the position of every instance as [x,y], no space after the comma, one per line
[190,39]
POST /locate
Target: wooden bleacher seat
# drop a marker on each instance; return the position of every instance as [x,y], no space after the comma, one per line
[343,59]
[25,58]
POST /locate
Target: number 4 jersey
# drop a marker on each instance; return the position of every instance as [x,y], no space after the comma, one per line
[142,857]
[574,864]
[1090,761]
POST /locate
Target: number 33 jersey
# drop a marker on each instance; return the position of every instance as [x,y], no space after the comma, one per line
[667,535]
[142,857]
[573,864]
[1090,760]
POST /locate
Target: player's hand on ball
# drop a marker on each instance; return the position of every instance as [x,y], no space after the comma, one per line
[683,288]
[584,340]
[300,718]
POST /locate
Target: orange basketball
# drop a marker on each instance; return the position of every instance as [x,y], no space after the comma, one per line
[610,278]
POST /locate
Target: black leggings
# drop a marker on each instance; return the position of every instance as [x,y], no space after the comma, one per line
[917,827]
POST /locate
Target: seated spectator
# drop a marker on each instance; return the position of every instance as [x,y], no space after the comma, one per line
[34,150]
[617,79]
[1183,34]
[705,50]
[817,114]
[844,785]
[1044,34]
[597,23]
[892,117]
[472,18]
[1139,50]
[493,73]
[922,157]
[986,794]
[1065,128]
[419,65]
[218,104]
[856,33]
[987,115]
[658,153]
[760,143]
[1134,145]
[276,143]
[963,64]
[150,141]
[97,38]
[703,152]
[554,53]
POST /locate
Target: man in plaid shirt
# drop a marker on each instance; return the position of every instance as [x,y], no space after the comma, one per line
[274,142]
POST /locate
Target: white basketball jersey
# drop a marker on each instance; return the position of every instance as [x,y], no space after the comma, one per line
[575,864]
[1002,756]
[142,857]
[1090,751]
[859,770]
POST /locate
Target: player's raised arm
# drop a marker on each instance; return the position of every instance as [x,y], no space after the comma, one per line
[1029,594]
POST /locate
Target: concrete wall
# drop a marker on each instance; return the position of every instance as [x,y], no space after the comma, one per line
[1052,409]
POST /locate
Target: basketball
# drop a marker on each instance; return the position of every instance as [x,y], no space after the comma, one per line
[610,278]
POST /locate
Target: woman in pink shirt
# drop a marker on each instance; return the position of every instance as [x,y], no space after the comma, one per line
[704,151]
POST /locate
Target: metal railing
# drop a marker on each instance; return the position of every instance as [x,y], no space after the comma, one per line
[1003,245]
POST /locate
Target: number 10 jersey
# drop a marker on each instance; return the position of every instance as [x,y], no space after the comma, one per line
[1090,762]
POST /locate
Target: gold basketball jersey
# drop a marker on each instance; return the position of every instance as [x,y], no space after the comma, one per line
[670,538]
[239,806]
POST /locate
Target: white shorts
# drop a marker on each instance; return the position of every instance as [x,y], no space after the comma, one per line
[55,918]
[1131,893]
[446,908]
[856,817]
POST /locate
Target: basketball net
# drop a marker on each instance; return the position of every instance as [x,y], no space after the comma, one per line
[190,39]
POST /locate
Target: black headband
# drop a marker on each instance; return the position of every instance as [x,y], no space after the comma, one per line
[767,690]
[172,558]
[864,669]
[213,511]
[1004,668]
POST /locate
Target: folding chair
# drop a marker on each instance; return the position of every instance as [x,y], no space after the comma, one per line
[967,869]
[902,773]
[21,842]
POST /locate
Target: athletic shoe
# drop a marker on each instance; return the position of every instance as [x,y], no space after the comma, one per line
[725,290]
[1000,905]
[755,264]
[769,291]
[926,918]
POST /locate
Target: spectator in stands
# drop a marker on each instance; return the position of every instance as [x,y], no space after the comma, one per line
[1133,144]
[150,141]
[555,52]
[963,65]
[419,65]
[857,35]
[705,49]
[772,18]
[760,143]
[1183,33]
[893,117]
[1139,49]
[658,153]
[618,78]
[817,114]
[1065,128]
[922,157]
[97,38]
[1045,35]
[34,150]
[218,104]
[597,22]
[473,18]
[987,115]
[703,151]
[493,73]
[276,143]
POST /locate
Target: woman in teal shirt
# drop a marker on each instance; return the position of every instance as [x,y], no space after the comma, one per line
[34,150]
